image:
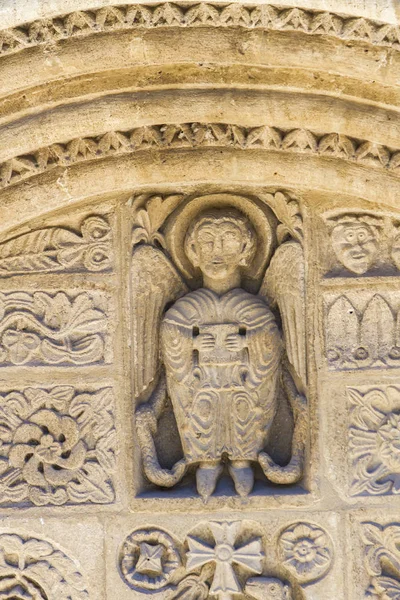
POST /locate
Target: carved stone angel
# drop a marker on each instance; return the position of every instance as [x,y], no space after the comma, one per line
[222,356]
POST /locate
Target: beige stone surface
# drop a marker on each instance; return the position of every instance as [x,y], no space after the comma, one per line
[199,300]
[21,11]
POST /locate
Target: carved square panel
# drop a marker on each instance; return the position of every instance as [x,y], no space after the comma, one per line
[50,558]
[60,328]
[57,446]
[362,328]
[375,571]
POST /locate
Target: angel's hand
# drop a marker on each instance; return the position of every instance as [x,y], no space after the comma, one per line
[204,341]
[235,342]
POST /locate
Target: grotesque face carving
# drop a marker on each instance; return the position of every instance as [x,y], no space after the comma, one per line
[219,242]
[356,245]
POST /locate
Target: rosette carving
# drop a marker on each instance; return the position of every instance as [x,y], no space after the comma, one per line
[306,551]
[57,446]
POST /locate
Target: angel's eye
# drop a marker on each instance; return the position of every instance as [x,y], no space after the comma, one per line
[350,236]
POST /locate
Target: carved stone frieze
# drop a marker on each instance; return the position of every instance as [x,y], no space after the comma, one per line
[53,249]
[42,328]
[362,330]
[226,559]
[114,18]
[58,446]
[374,439]
[31,568]
[199,135]
[217,353]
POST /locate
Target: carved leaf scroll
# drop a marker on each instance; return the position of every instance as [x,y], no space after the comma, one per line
[59,249]
[33,569]
[150,214]
[288,212]
[382,560]
[42,328]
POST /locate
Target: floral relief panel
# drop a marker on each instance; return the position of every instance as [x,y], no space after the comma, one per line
[55,328]
[382,560]
[59,249]
[58,446]
[33,568]
[374,437]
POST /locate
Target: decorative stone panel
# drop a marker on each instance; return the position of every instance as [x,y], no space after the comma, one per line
[34,569]
[244,558]
[199,300]
[58,446]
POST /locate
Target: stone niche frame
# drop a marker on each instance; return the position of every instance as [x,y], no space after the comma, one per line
[154,223]
[99,114]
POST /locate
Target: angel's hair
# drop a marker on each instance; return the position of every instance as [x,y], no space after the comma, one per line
[217,216]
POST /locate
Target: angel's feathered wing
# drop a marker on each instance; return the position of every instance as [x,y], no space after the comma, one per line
[154,284]
[284,286]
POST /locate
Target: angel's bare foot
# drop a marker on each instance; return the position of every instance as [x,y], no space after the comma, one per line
[207,475]
[243,477]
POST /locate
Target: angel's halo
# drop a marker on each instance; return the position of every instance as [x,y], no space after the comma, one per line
[258,214]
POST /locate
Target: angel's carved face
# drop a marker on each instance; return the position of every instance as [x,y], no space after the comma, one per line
[356,246]
[219,243]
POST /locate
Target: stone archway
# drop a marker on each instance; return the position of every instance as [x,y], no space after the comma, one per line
[152,422]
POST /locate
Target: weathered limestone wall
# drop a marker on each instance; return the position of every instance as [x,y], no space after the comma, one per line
[199,300]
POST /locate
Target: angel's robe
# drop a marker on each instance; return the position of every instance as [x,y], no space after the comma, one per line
[224,401]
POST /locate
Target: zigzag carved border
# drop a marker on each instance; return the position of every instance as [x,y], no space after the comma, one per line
[168,14]
[196,135]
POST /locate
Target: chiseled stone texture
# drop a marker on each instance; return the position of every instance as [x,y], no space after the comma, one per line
[199,300]
[20,11]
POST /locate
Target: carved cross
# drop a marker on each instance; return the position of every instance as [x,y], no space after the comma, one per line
[225,555]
